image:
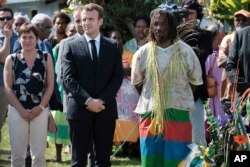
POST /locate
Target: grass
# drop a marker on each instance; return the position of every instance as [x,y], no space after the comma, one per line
[50,154]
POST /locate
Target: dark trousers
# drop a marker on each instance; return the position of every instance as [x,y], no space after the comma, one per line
[81,133]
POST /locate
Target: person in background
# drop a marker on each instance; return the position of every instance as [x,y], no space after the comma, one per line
[29,83]
[201,42]
[7,40]
[169,70]
[141,25]
[211,65]
[92,74]
[238,59]
[61,137]
[71,30]
[19,19]
[241,20]
[60,21]
[76,15]
[43,23]
[127,98]
[126,55]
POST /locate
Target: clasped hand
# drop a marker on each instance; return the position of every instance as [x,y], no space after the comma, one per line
[29,115]
[95,105]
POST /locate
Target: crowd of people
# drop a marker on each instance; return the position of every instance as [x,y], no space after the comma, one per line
[147,93]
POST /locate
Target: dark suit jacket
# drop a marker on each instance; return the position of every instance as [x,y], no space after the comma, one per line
[61,50]
[240,50]
[82,82]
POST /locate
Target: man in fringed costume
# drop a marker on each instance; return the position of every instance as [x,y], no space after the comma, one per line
[169,71]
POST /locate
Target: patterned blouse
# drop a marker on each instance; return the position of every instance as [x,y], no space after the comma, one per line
[29,84]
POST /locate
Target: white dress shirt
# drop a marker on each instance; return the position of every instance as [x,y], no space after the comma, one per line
[97,43]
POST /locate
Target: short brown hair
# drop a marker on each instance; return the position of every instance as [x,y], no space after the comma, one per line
[28,27]
[93,6]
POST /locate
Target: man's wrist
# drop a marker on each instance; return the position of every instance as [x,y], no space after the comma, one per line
[88,100]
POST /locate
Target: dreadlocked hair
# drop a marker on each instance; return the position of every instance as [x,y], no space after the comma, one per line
[170,21]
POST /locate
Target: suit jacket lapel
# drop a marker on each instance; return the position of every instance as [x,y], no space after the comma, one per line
[102,50]
[83,43]
[101,56]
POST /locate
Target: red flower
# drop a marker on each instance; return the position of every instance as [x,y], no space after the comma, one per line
[240,139]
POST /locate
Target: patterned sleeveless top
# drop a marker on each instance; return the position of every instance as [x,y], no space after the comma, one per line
[29,84]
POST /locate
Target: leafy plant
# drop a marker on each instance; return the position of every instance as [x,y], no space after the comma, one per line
[225,9]
[227,134]
[120,14]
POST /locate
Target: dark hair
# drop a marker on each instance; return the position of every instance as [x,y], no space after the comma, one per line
[7,10]
[62,15]
[170,22]
[194,5]
[142,17]
[28,27]
[117,31]
[93,6]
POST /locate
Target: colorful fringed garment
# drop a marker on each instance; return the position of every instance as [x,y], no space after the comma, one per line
[166,98]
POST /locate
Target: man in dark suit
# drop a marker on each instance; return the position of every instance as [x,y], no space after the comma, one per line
[240,51]
[76,15]
[77,23]
[92,74]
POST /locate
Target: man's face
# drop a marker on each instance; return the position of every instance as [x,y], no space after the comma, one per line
[190,20]
[60,25]
[77,21]
[17,23]
[160,29]
[71,30]
[45,29]
[5,19]
[241,21]
[117,37]
[91,22]
[141,29]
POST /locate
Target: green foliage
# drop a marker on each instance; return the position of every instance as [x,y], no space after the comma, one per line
[227,135]
[225,9]
[120,14]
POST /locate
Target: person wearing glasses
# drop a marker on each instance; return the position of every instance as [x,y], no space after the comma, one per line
[241,20]
[7,40]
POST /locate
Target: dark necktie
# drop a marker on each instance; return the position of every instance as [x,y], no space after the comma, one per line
[94,53]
